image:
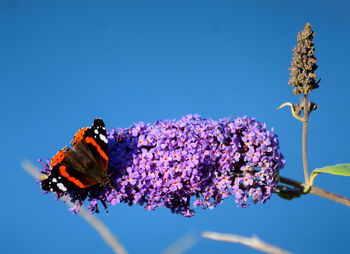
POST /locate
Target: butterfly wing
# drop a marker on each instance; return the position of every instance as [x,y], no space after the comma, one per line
[95,138]
[55,182]
[67,172]
[90,152]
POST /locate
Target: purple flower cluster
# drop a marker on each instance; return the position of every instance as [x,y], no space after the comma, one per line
[169,162]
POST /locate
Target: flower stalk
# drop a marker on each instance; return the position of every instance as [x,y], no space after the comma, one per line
[303,189]
[304,139]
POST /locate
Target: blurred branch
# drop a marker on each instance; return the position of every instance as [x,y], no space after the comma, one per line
[31,169]
[98,225]
[253,242]
[182,245]
[316,191]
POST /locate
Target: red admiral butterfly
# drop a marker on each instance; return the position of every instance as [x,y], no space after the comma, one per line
[83,165]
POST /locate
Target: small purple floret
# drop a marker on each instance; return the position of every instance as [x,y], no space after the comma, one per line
[192,162]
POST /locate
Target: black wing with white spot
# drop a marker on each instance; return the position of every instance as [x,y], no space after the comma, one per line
[99,133]
[55,182]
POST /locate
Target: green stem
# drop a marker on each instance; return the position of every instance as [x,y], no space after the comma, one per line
[305,122]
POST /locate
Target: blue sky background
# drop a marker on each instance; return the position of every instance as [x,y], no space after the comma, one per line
[63,63]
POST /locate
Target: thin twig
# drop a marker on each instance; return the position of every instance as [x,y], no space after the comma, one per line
[182,245]
[253,242]
[304,141]
[98,225]
[316,191]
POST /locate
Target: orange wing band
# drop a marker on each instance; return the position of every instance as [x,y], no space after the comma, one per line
[78,136]
[64,173]
[59,156]
[99,150]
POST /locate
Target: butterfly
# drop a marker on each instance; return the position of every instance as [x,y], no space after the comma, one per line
[83,165]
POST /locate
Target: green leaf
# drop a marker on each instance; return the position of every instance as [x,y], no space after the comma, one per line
[338,169]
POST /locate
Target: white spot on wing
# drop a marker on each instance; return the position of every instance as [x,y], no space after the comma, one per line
[54,180]
[96,131]
[103,138]
[61,187]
